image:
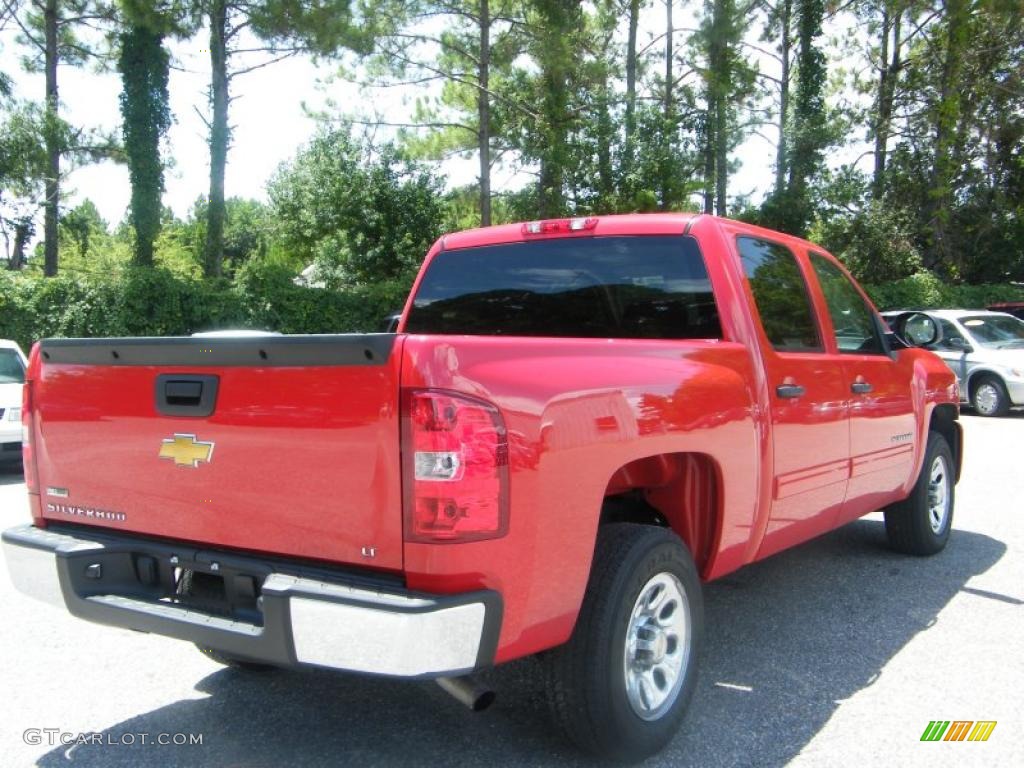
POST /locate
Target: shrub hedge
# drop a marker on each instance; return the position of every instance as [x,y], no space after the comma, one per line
[155,302]
[925,290]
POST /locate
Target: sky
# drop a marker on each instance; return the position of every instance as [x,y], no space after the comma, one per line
[270,121]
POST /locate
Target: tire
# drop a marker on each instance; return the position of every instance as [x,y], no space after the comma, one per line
[921,523]
[587,683]
[193,585]
[989,397]
[233,661]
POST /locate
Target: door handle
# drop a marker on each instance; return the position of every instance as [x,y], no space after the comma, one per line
[860,388]
[789,390]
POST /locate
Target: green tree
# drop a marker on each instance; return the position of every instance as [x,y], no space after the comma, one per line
[955,35]
[728,85]
[779,27]
[49,29]
[465,46]
[83,225]
[949,153]
[555,48]
[255,34]
[23,164]
[360,217]
[248,232]
[146,116]
[632,8]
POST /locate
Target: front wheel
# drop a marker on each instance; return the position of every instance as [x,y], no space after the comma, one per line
[920,524]
[621,685]
[990,397]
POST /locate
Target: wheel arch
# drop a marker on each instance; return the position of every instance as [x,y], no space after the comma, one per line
[976,375]
[945,420]
[681,491]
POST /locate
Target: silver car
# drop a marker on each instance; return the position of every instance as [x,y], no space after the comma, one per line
[12,376]
[986,352]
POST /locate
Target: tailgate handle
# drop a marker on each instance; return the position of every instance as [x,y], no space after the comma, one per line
[180,394]
[183,392]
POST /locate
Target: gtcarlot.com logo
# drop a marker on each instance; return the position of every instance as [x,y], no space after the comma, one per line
[958,730]
[53,736]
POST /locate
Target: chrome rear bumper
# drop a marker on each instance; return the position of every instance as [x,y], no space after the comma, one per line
[301,615]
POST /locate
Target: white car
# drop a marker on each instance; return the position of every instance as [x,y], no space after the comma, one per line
[986,352]
[12,376]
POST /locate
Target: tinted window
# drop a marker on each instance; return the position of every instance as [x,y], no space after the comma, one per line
[853,321]
[11,370]
[780,294]
[608,287]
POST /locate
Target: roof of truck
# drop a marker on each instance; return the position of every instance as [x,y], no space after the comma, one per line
[620,224]
[604,226]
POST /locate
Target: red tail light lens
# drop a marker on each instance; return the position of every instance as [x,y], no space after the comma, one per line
[455,468]
[559,226]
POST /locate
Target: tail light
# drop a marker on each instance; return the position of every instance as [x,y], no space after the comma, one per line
[28,424]
[455,468]
[559,226]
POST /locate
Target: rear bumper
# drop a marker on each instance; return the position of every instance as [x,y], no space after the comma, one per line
[303,615]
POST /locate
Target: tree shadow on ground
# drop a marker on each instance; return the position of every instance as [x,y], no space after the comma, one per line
[791,637]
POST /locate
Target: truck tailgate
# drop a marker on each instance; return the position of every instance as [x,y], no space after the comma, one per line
[298,453]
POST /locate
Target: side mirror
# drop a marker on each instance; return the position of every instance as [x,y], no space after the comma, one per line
[916,329]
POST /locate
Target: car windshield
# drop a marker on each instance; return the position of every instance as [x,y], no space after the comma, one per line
[998,331]
[11,369]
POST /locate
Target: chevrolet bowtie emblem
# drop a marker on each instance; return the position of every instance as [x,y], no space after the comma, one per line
[185,450]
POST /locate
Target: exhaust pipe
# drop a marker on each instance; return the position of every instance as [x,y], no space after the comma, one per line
[469,691]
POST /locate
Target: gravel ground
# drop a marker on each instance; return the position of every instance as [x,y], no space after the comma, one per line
[835,653]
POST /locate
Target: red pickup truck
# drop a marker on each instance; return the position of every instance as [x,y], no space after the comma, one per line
[576,423]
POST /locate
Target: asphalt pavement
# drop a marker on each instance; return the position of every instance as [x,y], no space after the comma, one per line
[838,652]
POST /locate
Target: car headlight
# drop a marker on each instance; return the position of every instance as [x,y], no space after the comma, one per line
[14,414]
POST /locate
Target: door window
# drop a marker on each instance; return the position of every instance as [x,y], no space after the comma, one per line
[951,338]
[853,321]
[780,294]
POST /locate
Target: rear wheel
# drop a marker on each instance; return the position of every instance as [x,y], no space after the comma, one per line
[920,524]
[990,398]
[620,686]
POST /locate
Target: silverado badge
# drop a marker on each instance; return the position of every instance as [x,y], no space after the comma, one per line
[185,450]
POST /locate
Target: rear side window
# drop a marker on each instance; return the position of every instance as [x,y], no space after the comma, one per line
[780,294]
[592,287]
